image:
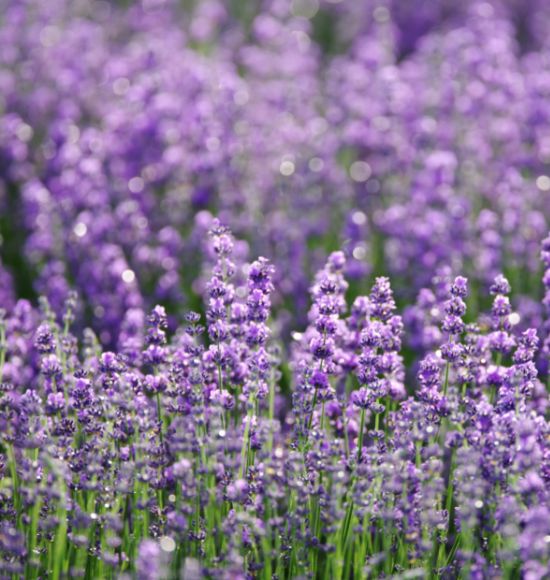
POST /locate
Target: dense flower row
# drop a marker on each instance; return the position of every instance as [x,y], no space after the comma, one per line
[170,407]
[181,455]
[405,136]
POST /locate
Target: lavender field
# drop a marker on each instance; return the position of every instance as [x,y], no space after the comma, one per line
[274,289]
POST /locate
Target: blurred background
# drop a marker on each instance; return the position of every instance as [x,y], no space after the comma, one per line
[414,136]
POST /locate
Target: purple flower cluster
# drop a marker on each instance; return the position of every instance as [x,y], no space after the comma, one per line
[370,401]
[179,452]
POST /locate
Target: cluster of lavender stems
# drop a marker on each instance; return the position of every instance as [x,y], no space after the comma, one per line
[179,455]
[274,289]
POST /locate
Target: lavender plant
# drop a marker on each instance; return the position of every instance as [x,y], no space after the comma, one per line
[173,457]
[370,399]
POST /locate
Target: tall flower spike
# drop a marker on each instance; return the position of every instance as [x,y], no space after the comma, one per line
[155,338]
[314,355]
[328,304]
[381,298]
[259,362]
[455,308]
[380,341]
[220,292]
[258,304]
[380,367]
[225,314]
[501,340]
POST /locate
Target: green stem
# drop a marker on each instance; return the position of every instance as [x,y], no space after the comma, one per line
[32,536]
[159,414]
[361,434]
[15,482]
[271,411]
[446,383]
[246,442]
[493,393]
[60,535]
[310,419]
